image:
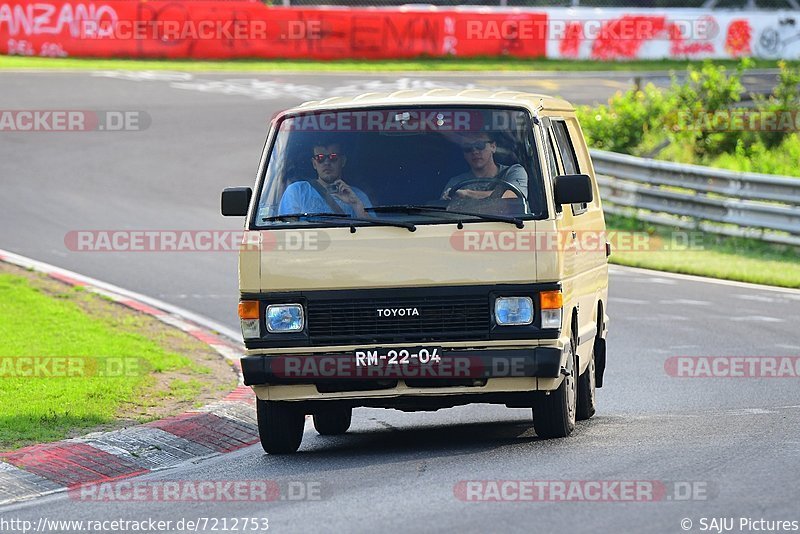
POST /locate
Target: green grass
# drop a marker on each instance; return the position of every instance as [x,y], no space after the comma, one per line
[421,64]
[40,409]
[740,259]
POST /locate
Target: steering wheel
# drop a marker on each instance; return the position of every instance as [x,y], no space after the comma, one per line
[500,187]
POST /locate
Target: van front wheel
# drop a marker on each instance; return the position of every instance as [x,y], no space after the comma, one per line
[554,414]
[280,426]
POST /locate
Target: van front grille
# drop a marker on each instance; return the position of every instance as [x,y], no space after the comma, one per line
[431,318]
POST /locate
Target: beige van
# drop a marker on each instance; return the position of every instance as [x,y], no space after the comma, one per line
[422,250]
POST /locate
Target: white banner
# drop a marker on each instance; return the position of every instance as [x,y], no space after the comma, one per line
[623,34]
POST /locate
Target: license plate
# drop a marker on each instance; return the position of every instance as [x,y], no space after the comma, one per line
[395,356]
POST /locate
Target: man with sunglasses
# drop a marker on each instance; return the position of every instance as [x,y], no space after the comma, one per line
[484,173]
[329,192]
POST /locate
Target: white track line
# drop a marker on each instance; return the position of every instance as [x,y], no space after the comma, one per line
[703,279]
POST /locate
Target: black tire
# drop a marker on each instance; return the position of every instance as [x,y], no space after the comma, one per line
[280,426]
[333,421]
[587,397]
[554,414]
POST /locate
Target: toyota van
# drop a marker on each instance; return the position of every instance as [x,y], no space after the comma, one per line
[422,250]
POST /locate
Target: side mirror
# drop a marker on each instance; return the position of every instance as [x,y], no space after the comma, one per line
[573,189]
[235,201]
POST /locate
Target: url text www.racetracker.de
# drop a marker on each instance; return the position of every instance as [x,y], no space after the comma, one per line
[143,526]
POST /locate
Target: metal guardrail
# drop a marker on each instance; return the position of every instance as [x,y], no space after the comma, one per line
[759,206]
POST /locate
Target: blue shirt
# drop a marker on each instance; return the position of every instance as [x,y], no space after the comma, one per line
[301,197]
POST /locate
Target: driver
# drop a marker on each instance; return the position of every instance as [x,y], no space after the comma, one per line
[479,149]
[329,192]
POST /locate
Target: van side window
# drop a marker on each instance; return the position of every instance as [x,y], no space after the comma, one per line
[565,147]
[568,157]
[550,151]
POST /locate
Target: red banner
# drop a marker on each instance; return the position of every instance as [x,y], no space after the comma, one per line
[230,29]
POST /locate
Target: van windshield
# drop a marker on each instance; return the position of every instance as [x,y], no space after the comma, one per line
[421,164]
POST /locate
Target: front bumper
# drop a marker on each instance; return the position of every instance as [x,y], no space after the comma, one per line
[455,364]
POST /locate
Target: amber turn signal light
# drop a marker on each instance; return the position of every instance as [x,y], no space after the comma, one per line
[248,309]
[551,300]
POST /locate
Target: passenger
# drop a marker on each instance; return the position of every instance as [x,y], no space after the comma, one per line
[328,192]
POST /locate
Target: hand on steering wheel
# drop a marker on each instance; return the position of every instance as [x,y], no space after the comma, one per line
[498,190]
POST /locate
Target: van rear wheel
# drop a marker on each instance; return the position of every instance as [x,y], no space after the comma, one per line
[554,414]
[280,426]
[333,421]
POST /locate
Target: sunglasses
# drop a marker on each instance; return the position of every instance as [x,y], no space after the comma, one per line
[320,158]
[479,145]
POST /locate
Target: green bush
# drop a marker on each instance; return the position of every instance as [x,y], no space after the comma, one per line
[785,97]
[679,123]
[758,157]
[706,91]
[621,125]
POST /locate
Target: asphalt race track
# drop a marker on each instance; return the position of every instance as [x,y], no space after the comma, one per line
[735,440]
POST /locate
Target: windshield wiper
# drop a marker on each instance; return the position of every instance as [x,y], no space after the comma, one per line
[305,215]
[408,226]
[411,208]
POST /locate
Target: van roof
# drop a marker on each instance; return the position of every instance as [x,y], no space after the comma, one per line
[480,97]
